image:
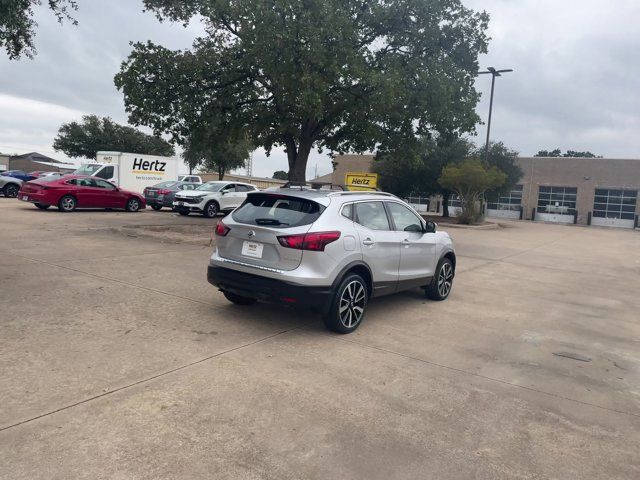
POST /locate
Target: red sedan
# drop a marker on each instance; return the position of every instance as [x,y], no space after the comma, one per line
[74,191]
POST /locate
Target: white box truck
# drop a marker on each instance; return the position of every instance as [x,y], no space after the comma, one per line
[131,171]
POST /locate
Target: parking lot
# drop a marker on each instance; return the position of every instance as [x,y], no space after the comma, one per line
[118,360]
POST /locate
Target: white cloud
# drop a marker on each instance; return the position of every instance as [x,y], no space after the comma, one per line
[574,85]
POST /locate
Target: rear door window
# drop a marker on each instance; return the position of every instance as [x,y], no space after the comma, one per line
[372,215]
[277,211]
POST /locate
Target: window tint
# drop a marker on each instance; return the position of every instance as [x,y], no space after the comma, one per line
[104,184]
[347,211]
[242,188]
[372,215]
[277,211]
[106,173]
[86,182]
[229,188]
[403,218]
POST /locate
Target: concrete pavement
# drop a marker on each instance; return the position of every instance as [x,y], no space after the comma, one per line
[118,360]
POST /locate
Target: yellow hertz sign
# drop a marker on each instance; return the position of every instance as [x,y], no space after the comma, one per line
[361,181]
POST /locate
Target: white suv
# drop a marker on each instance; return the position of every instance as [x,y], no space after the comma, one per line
[211,198]
[330,251]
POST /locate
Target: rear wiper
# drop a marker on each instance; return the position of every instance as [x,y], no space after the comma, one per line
[269,221]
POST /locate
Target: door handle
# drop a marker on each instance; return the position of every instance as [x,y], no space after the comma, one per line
[367,241]
[406,242]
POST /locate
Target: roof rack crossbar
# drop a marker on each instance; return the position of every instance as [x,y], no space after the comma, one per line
[360,192]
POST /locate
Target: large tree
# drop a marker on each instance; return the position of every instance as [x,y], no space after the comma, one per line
[414,168]
[217,150]
[17,26]
[94,134]
[345,75]
[505,159]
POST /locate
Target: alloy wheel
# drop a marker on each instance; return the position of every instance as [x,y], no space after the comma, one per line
[134,205]
[352,303]
[11,191]
[68,204]
[445,279]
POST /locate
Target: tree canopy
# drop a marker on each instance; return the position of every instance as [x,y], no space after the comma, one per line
[217,150]
[470,179]
[505,160]
[17,26]
[343,75]
[280,175]
[94,134]
[570,153]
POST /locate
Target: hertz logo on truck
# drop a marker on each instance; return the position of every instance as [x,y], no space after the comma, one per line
[145,166]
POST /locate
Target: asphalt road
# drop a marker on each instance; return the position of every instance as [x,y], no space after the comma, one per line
[118,360]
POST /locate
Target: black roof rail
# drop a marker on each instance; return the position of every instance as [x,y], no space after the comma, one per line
[311,185]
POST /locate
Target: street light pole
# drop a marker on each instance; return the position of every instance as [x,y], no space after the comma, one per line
[494,73]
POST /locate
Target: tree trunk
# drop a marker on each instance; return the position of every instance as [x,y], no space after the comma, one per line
[221,172]
[445,204]
[298,158]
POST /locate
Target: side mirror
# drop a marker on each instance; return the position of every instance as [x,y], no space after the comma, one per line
[224,192]
[430,227]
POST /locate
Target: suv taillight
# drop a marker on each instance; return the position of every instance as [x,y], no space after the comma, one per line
[163,192]
[222,229]
[315,241]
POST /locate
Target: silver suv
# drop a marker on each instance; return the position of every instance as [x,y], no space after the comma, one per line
[328,250]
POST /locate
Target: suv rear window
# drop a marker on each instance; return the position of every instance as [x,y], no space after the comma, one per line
[277,211]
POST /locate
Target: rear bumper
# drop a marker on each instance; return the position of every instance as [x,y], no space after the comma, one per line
[270,290]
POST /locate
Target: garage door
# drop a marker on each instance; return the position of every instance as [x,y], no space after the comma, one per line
[614,207]
[507,206]
[556,204]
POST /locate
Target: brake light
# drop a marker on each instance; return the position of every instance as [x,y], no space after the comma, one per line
[222,229]
[315,241]
[164,192]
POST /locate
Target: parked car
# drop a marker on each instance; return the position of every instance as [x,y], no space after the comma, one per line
[74,191]
[162,194]
[10,186]
[190,178]
[212,197]
[37,173]
[328,250]
[24,176]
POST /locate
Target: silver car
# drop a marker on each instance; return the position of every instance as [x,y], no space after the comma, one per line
[328,250]
[10,186]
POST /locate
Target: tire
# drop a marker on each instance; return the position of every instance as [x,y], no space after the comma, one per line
[239,299]
[184,214]
[41,206]
[442,282]
[157,208]
[348,306]
[211,209]
[11,190]
[133,205]
[68,203]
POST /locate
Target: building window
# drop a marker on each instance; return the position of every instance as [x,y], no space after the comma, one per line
[510,201]
[615,203]
[560,200]
[454,201]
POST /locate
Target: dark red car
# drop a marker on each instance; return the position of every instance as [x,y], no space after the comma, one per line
[74,191]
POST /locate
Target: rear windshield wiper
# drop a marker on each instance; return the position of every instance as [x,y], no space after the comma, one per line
[269,221]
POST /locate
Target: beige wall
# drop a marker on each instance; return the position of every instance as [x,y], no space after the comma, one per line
[257,181]
[586,174]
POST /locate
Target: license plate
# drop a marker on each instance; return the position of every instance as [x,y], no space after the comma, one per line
[25,198]
[252,249]
[152,194]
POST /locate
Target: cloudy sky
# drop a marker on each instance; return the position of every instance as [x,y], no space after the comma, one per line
[575,85]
